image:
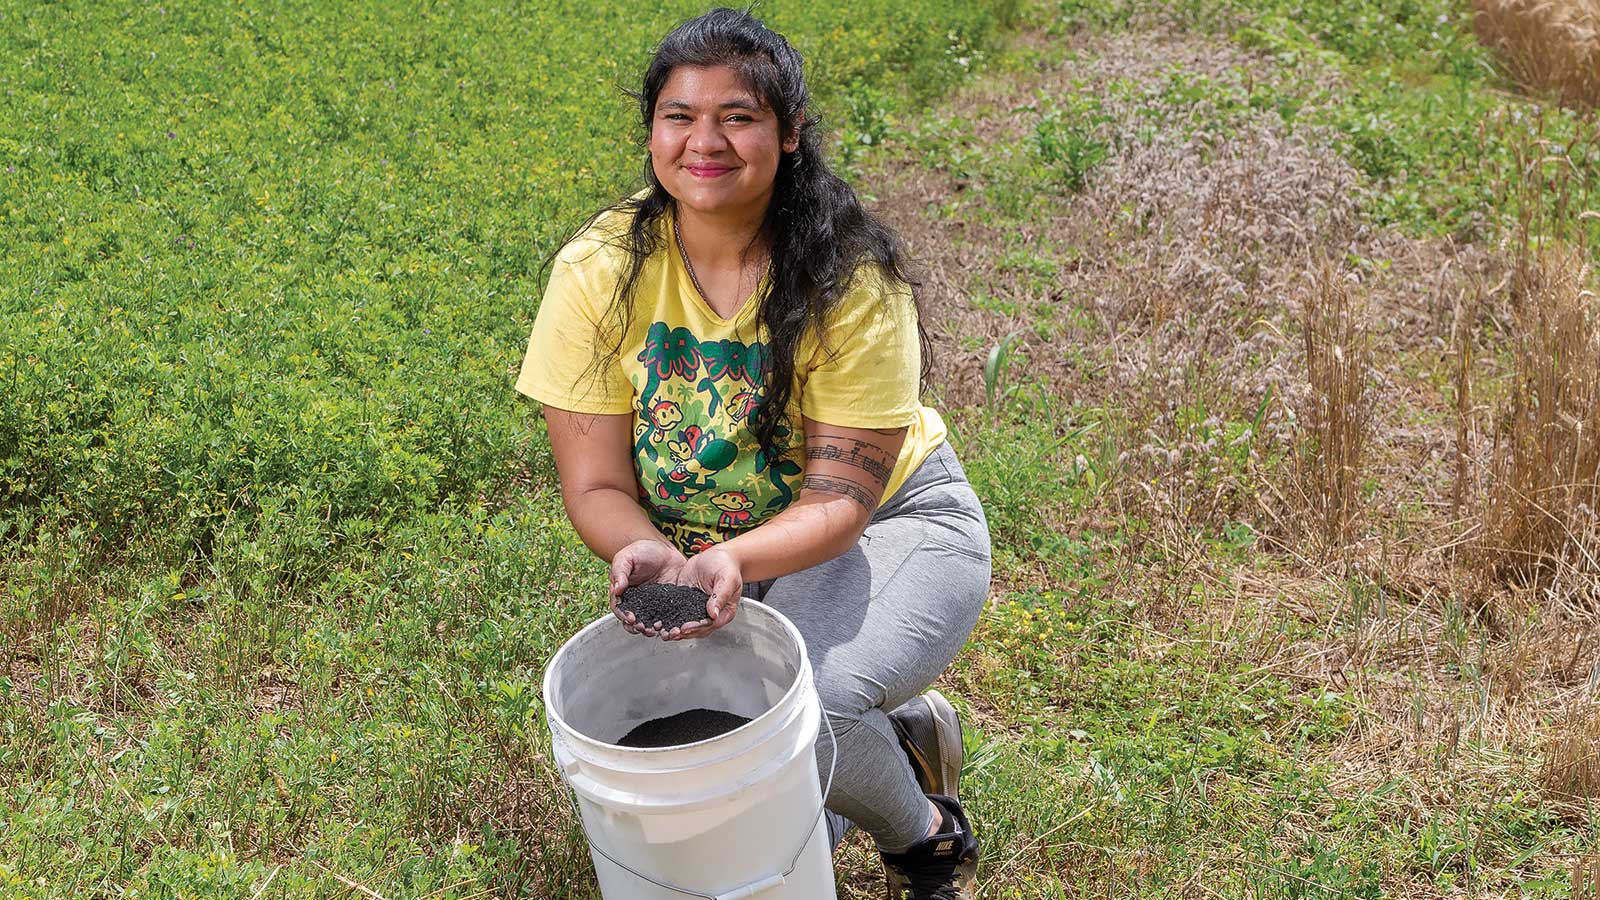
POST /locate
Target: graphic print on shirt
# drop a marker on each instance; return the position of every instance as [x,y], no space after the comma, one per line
[701,474]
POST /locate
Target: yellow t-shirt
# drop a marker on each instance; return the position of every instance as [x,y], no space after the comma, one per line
[686,375]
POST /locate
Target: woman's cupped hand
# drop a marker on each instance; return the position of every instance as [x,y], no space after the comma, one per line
[714,571]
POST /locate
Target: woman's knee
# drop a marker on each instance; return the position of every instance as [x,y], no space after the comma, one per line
[844,697]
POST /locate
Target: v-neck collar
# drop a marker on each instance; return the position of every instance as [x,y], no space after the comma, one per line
[686,285]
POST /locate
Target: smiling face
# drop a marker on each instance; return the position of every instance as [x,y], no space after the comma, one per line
[713,145]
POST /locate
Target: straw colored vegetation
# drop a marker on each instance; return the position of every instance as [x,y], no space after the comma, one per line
[1266,333]
[1549,46]
[1572,757]
[1338,416]
[1541,525]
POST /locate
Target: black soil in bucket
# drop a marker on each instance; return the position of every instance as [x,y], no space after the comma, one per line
[670,604]
[686,727]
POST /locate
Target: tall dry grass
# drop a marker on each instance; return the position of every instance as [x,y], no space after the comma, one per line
[1461,351]
[1337,415]
[1586,877]
[1548,46]
[1572,756]
[1540,522]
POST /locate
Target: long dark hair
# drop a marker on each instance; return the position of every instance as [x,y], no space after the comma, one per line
[818,232]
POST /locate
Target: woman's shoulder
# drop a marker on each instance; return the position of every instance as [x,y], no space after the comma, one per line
[875,309]
[871,295]
[602,245]
[871,283]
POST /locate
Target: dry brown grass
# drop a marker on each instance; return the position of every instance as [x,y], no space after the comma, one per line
[1337,415]
[1176,251]
[1179,306]
[1572,756]
[1586,877]
[1548,46]
[1539,519]
[1461,359]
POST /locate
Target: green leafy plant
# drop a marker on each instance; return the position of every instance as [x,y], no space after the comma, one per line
[1068,140]
[994,371]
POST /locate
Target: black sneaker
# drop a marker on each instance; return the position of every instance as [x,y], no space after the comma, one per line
[942,867]
[930,734]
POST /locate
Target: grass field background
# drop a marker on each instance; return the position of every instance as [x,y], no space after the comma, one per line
[282,560]
[282,555]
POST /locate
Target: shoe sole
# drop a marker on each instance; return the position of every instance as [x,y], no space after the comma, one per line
[947,727]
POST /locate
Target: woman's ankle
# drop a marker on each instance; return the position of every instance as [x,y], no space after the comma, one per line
[937,824]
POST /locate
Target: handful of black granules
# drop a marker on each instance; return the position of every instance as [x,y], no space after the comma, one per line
[673,605]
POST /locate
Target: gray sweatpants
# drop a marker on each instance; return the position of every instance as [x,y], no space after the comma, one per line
[881,622]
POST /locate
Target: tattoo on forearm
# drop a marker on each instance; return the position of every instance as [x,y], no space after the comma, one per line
[859,454]
[842,487]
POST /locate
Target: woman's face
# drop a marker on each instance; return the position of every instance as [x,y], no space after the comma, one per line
[713,145]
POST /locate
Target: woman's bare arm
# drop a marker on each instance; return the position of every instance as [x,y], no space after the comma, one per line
[846,472]
[598,486]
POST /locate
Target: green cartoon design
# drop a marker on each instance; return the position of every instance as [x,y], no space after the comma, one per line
[668,353]
[729,361]
[778,473]
[701,474]
[703,455]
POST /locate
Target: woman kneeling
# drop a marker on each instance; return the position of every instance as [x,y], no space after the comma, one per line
[729,362]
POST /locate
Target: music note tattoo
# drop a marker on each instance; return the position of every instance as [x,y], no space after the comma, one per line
[855,456]
[871,458]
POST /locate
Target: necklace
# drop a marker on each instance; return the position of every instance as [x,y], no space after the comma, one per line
[678,236]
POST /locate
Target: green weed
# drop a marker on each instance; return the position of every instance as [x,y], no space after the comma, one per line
[1069,140]
[994,371]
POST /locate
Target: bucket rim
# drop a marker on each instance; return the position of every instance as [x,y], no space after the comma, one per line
[764,720]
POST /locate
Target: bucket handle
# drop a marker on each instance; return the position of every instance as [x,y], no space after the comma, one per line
[738,893]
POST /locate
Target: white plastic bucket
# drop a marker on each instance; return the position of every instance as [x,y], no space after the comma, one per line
[735,816]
